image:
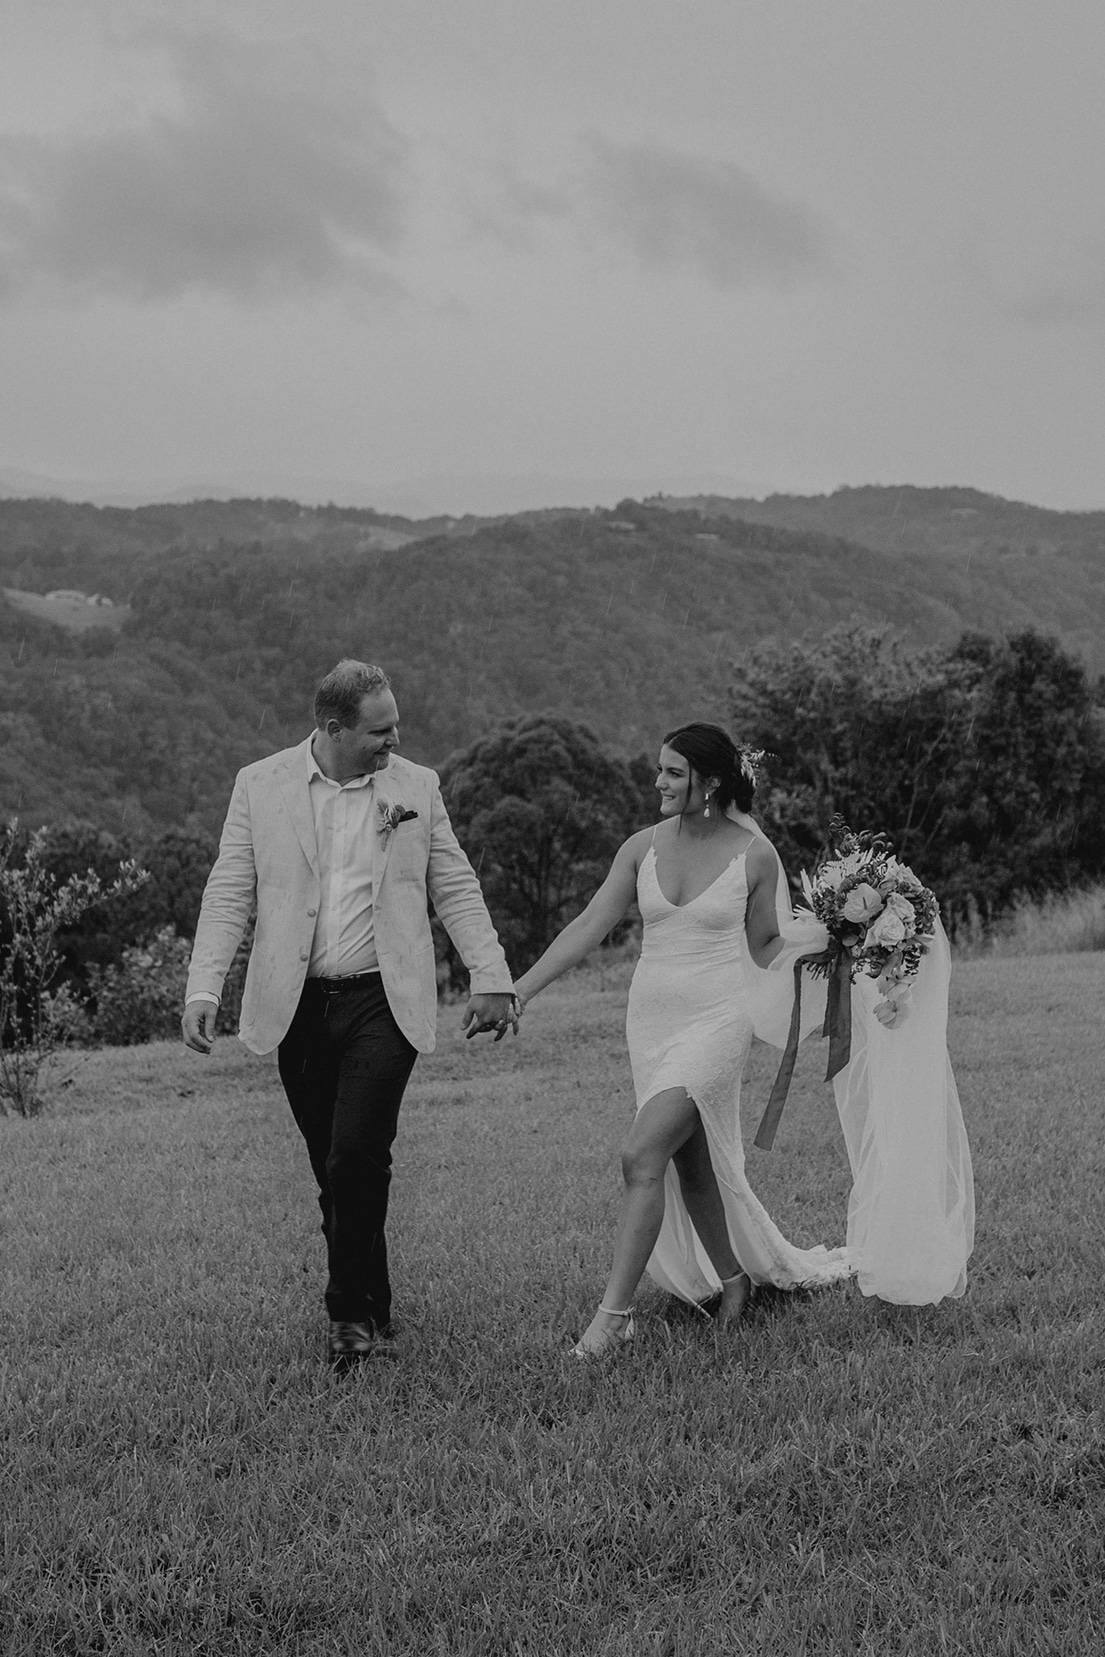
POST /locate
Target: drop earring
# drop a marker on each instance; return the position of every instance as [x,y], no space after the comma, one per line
[706,811]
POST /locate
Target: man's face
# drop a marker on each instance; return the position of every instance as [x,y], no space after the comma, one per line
[366,745]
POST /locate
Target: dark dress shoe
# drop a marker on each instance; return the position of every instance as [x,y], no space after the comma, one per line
[349,1342]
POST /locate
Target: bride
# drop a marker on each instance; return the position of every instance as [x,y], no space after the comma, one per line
[706,884]
[717,948]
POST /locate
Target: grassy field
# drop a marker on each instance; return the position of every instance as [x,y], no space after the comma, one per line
[184,1475]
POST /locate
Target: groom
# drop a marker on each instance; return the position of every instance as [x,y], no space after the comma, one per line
[339,843]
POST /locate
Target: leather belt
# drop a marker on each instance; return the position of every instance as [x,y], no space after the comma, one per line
[333,986]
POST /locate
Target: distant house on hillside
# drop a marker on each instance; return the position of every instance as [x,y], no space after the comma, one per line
[70,595]
[626,525]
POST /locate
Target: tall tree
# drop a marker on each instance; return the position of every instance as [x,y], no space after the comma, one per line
[1027,786]
[855,723]
[985,763]
[540,808]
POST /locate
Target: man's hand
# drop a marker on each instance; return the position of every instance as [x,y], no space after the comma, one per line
[198,1025]
[489,1012]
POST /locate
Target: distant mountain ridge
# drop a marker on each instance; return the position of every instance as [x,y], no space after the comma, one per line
[630,618]
[906,518]
[432,496]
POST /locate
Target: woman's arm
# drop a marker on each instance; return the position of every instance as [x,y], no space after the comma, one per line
[761,923]
[591,926]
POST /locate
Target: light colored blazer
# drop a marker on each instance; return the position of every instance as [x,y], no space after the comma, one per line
[268,853]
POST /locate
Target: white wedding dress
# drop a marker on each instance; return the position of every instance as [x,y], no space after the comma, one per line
[689,1024]
[696,1000]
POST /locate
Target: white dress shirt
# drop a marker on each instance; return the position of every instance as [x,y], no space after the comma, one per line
[344,941]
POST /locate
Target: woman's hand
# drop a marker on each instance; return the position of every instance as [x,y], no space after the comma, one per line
[894,1009]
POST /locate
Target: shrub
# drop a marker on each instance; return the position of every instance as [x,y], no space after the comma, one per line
[36,1015]
[1059,924]
[140,998]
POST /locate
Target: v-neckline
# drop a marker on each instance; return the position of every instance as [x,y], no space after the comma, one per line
[677,906]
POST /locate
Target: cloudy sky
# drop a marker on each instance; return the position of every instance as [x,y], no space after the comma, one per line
[475,254]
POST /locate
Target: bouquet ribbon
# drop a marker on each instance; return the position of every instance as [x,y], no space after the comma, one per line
[834,964]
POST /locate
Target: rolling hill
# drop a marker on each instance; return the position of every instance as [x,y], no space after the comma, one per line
[631,619]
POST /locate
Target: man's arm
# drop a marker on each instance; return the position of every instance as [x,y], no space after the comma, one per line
[225,909]
[455,894]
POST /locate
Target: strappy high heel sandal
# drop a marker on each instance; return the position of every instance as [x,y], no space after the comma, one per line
[736,1292]
[605,1341]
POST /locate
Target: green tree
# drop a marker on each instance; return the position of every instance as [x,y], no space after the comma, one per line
[179,862]
[69,850]
[36,1016]
[1026,789]
[540,808]
[139,998]
[645,805]
[984,763]
[855,723]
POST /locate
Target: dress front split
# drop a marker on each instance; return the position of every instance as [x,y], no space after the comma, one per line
[689,1025]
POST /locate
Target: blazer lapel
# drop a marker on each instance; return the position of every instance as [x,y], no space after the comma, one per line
[390,786]
[381,847]
[296,798]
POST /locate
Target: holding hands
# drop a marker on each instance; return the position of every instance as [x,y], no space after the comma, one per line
[499,1012]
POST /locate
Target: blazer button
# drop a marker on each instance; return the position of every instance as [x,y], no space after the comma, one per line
[304,955]
[311,913]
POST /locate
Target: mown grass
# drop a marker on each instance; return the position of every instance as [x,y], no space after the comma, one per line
[184,1475]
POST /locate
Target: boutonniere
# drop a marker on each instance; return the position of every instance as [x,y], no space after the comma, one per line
[392,813]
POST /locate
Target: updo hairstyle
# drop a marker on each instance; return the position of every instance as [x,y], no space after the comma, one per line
[712,753]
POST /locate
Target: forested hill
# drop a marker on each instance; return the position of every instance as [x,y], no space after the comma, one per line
[904,518]
[1051,563]
[226,614]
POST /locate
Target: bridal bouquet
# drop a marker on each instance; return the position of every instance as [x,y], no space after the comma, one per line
[880,920]
[879,916]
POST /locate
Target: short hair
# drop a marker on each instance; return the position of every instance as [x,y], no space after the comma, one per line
[344,688]
[712,753]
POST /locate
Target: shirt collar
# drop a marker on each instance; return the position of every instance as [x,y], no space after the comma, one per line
[314,770]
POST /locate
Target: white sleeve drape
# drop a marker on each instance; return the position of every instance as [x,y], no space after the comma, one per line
[911,1211]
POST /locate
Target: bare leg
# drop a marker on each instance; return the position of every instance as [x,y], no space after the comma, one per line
[699,1186]
[660,1127]
[698,1183]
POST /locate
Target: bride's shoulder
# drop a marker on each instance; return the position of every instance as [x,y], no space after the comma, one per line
[761,860]
[740,838]
[637,844]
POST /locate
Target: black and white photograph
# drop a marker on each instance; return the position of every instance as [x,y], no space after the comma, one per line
[552,871]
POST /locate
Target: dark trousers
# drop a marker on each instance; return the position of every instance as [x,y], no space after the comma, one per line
[344,1064]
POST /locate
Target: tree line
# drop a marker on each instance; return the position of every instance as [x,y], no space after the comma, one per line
[983,761]
[623,620]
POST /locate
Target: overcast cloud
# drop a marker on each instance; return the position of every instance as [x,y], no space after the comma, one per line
[1072,295]
[257,181]
[263,180]
[672,209]
[796,246]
